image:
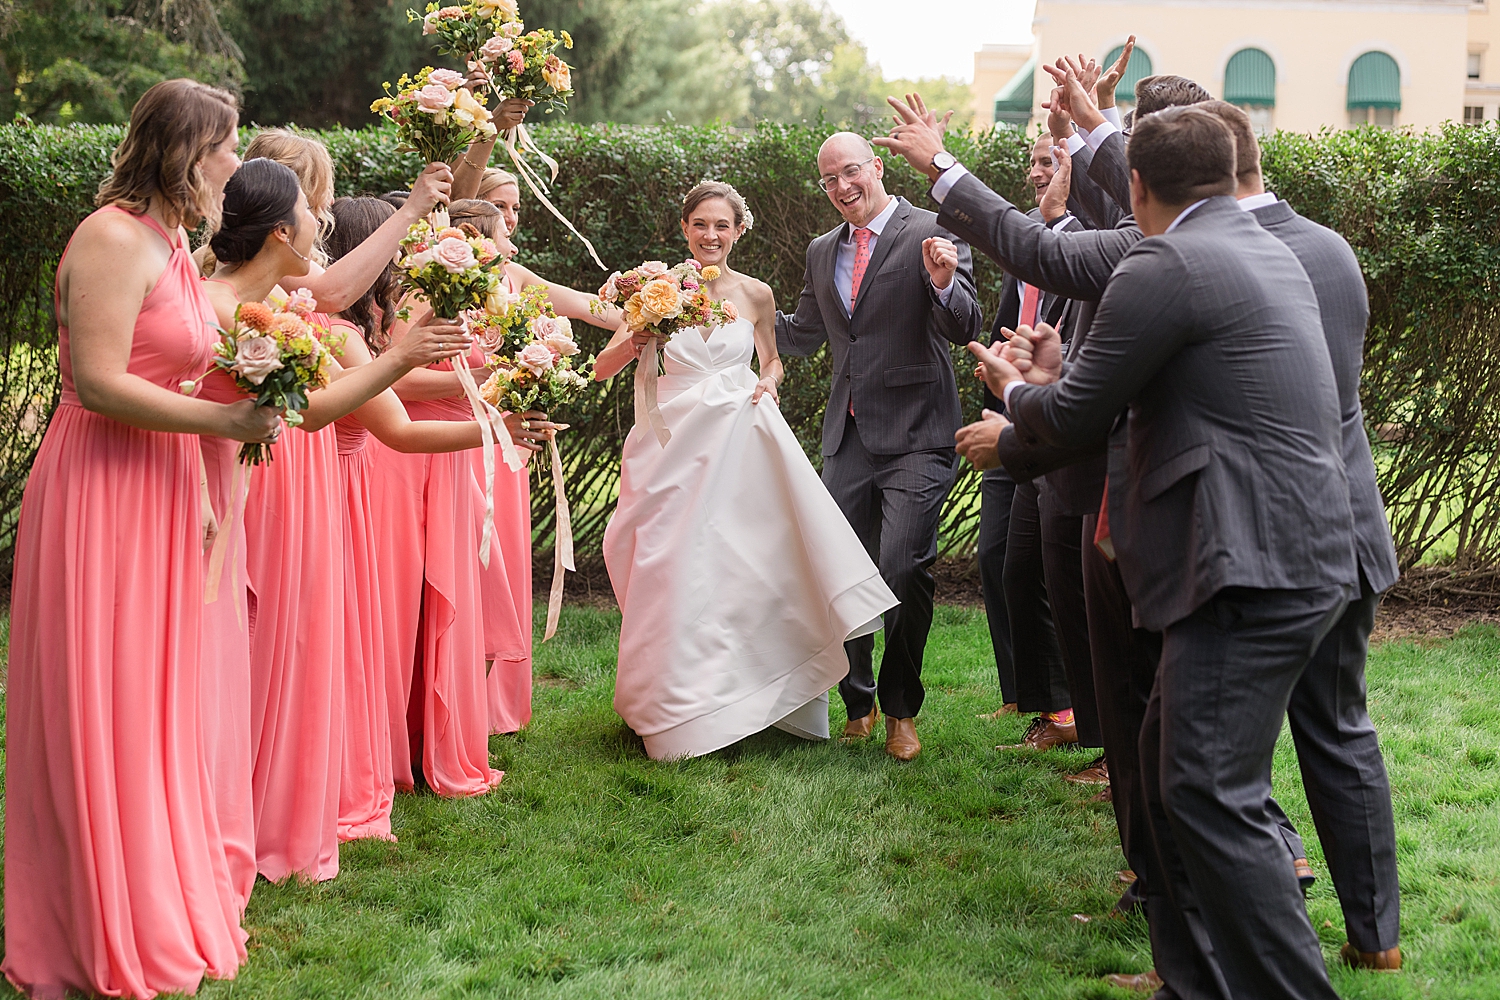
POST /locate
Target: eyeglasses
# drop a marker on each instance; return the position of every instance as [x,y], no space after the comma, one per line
[848,175]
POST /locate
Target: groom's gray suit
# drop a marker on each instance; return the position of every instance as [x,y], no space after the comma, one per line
[888,431]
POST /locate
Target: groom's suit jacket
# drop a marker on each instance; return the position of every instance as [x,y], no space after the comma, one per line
[1228,470]
[890,357]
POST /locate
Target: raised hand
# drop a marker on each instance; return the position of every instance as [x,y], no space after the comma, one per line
[511,112]
[997,371]
[930,118]
[979,442]
[434,184]
[1059,119]
[940,257]
[1054,204]
[1080,101]
[1104,90]
[1035,354]
[914,137]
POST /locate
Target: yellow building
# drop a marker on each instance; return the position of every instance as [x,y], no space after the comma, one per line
[994,67]
[1293,64]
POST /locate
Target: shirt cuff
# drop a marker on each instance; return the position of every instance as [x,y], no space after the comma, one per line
[1112,115]
[1076,141]
[946,180]
[1104,131]
[944,294]
[1006,391]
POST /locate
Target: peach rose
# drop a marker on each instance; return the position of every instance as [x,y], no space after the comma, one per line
[731,312]
[450,13]
[561,343]
[417,261]
[661,298]
[652,268]
[512,29]
[255,358]
[452,79]
[505,8]
[496,47]
[557,74]
[536,358]
[634,317]
[455,255]
[434,98]
[491,338]
[466,108]
[610,292]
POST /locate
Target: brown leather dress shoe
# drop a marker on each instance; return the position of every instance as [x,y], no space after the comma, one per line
[1377,961]
[901,738]
[858,729]
[1044,734]
[1097,773]
[1140,982]
[1009,708]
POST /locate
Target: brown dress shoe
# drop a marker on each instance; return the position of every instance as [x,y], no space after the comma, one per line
[1009,708]
[1097,773]
[1378,961]
[1140,982]
[858,729]
[1044,734]
[901,738]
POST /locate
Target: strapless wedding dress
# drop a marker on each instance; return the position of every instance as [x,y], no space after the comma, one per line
[738,577]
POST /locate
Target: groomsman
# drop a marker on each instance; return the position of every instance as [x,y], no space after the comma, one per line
[887,291]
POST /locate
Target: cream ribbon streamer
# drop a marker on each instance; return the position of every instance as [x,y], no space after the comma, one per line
[645,394]
[536,183]
[491,428]
[562,547]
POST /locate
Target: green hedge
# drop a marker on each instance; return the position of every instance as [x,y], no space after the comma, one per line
[1420,209]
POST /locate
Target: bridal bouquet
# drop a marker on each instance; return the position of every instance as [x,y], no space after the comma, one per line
[435,116]
[660,300]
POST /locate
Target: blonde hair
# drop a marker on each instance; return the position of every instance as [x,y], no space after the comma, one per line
[172,127]
[493,178]
[310,161]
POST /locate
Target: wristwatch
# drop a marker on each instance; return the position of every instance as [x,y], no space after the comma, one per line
[943,160]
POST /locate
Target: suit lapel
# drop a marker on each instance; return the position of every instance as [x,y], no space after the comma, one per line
[882,250]
[825,261]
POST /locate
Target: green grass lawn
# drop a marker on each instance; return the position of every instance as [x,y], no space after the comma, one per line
[779,868]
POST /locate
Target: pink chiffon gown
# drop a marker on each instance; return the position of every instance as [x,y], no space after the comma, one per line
[429,508]
[226,650]
[115,877]
[367,785]
[506,588]
[294,528]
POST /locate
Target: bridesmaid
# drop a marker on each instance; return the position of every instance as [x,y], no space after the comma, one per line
[294,540]
[367,786]
[115,877]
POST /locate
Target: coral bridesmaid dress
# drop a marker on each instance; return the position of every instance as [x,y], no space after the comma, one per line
[506,588]
[226,650]
[429,509]
[294,528]
[115,877]
[367,786]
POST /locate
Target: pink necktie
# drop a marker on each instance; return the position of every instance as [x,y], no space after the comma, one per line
[1029,301]
[861,261]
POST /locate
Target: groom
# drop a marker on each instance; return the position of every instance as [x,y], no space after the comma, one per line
[887,291]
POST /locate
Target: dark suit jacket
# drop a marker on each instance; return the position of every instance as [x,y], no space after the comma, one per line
[1095,205]
[1345,308]
[1229,469]
[891,356]
[1111,171]
[1050,309]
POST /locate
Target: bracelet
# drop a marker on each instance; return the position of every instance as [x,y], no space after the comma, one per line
[476,166]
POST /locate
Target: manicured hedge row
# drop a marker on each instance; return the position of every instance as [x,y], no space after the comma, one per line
[1420,210]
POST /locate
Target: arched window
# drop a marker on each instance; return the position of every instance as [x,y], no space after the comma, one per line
[1013,102]
[1374,90]
[1140,66]
[1250,83]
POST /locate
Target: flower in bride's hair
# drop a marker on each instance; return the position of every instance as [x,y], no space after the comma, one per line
[302,303]
[434,98]
[456,256]
[731,311]
[256,357]
[635,318]
[536,358]
[652,268]
[662,298]
[255,315]
[496,47]
[711,273]
[447,77]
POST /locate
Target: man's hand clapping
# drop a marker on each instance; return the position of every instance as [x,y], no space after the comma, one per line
[979,442]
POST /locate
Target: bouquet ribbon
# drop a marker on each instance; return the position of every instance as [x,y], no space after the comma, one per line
[562,549]
[491,429]
[534,180]
[645,394]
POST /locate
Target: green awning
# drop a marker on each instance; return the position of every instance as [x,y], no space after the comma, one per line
[1250,79]
[1139,68]
[1014,102]
[1374,82]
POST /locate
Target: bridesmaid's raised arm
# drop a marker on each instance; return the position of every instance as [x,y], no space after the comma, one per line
[622,349]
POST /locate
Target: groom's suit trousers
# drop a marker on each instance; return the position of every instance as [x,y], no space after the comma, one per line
[894,504]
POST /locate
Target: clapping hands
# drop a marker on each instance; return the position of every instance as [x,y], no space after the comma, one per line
[918,134]
[1032,356]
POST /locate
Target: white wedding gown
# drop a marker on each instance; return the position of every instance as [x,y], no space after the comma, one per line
[738,577]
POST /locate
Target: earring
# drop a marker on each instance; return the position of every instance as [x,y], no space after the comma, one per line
[304,257]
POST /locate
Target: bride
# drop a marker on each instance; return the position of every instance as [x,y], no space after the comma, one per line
[738,577]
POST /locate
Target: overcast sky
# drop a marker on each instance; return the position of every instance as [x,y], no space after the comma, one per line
[936,38]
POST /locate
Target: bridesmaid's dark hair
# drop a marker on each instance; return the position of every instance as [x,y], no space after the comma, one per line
[354,221]
[260,196]
[480,214]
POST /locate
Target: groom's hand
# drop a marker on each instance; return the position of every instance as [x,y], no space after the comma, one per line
[914,137]
[980,442]
[941,259]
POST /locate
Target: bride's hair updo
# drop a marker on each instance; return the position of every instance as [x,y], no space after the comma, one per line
[718,189]
[260,196]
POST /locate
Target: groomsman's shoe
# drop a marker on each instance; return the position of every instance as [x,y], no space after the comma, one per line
[901,738]
[858,729]
[1044,734]
[1097,773]
[1140,982]
[1378,961]
[1009,708]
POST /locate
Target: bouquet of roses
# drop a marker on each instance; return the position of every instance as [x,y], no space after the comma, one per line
[490,37]
[456,268]
[277,356]
[660,300]
[435,116]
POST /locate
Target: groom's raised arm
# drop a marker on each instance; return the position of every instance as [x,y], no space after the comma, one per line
[802,332]
[961,319]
